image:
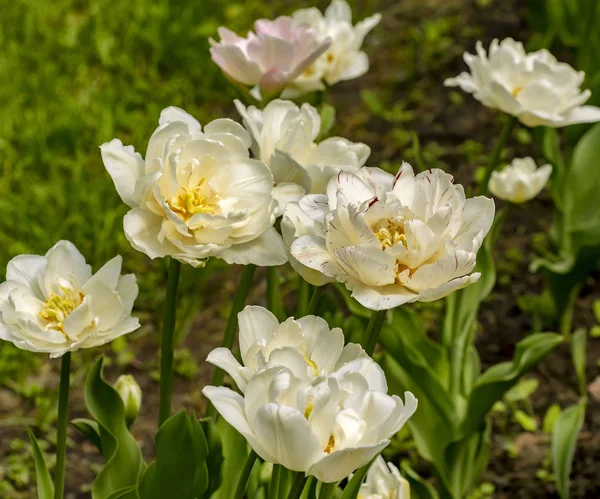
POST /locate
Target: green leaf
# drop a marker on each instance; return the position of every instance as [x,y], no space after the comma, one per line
[433,430]
[235,452]
[180,467]
[527,422]
[353,487]
[419,488]
[90,430]
[522,390]
[214,461]
[497,380]
[564,441]
[578,353]
[327,113]
[45,488]
[466,459]
[550,418]
[122,455]
[126,493]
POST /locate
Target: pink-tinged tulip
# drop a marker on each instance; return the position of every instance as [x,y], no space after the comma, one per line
[269,58]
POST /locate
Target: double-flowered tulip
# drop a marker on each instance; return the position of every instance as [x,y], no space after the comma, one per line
[283,137]
[520,181]
[54,304]
[197,193]
[307,402]
[269,58]
[307,346]
[390,239]
[344,59]
[535,87]
[384,481]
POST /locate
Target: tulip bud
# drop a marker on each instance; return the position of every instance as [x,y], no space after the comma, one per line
[131,394]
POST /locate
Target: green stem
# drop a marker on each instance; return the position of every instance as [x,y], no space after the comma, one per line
[245,475]
[167,343]
[566,320]
[495,157]
[373,330]
[274,484]
[273,293]
[314,300]
[297,486]
[239,300]
[304,293]
[61,431]
[327,489]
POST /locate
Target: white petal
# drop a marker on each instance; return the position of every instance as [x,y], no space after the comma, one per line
[287,436]
[383,297]
[339,464]
[224,359]
[173,113]
[125,167]
[28,270]
[65,260]
[256,324]
[230,405]
[142,229]
[265,251]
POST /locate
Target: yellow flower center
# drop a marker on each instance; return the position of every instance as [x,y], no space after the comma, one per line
[330,445]
[391,234]
[516,91]
[330,58]
[58,307]
[189,202]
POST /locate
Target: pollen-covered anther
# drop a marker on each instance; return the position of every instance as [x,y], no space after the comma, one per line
[391,234]
[189,202]
[58,307]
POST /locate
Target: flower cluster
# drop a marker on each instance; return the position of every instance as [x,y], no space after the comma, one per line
[294,55]
[308,402]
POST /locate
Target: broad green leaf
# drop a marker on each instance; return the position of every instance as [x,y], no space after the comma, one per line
[90,430]
[578,353]
[180,467]
[582,184]
[353,486]
[466,460]
[122,455]
[419,488]
[564,441]
[126,493]
[497,380]
[45,488]
[433,429]
[235,451]
[214,461]
[527,422]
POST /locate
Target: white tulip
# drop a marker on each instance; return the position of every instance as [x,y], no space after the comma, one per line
[283,137]
[306,346]
[344,59]
[384,481]
[390,240]
[271,57]
[326,427]
[520,181]
[536,88]
[197,194]
[54,304]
